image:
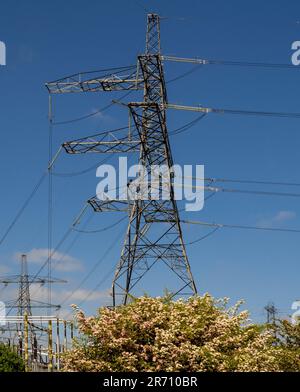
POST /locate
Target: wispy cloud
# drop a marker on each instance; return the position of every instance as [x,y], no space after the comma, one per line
[40,292]
[83,294]
[62,262]
[277,219]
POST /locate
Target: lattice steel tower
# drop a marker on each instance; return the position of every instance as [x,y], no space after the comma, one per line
[24,303]
[271,311]
[154,233]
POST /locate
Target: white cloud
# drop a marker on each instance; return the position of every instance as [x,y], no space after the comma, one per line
[283,216]
[40,292]
[82,294]
[61,262]
[279,217]
[68,264]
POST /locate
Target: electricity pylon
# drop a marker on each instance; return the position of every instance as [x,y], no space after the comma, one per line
[24,304]
[154,232]
[271,313]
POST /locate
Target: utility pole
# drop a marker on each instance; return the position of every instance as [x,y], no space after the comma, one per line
[154,234]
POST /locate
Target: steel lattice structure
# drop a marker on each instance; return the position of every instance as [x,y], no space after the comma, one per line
[154,232]
[24,295]
[24,304]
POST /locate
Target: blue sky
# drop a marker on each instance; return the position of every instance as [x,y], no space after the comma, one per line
[48,40]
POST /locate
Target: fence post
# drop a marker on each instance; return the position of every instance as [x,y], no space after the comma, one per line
[26,341]
[72,330]
[57,345]
[50,349]
[65,336]
[20,344]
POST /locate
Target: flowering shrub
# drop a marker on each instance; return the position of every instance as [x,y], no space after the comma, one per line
[288,338]
[160,334]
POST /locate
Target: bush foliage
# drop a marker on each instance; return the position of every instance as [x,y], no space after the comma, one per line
[198,334]
[10,361]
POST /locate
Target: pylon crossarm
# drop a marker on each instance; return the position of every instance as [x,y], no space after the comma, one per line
[31,279]
[108,205]
[166,105]
[194,60]
[33,304]
[101,147]
[83,82]
[191,108]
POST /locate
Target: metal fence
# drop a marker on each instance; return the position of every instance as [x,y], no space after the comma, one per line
[39,340]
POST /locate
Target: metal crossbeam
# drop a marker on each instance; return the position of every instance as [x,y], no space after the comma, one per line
[108,205]
[83,82]
[102,143]
[31,279]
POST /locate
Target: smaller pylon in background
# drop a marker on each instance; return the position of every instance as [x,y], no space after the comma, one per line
[24,304]
[271,313]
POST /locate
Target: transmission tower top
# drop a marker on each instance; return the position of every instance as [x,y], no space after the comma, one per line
[153,34]
[271,313]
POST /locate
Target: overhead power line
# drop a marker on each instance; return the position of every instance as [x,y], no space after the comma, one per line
[92,270]
[203,237]
[187,126]
[94,113]
[200,61]
[255,182]
[203,109]
[245,191]
[104,279]
[229,226]
[102,229]
[23,207]
[243,181]
[184,74]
